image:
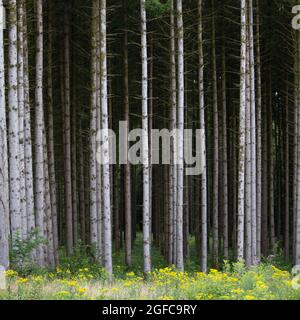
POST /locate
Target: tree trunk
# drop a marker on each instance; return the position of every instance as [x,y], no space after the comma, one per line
[39,134]
[93,132]
[23,208]
[242,138]
[27,135]
[13,122]
[215,204]
[127,173]
[224,155]
[253,135]
[145,142]
[173,168]
[4,184]
[107,238]
[287,179]
[67,133]
[204,210]
[51,159]
[180,142]
[259,138]
[297,217]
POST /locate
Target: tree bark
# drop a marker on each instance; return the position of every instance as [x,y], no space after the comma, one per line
[51,156]
[13,122]
[215,204]
[107,238]
[39,134]
[259,138]
[204,209]
[127,173]
[4,183]
[145,142]
[23,211]
[180,142]
[242,138]
[67,138]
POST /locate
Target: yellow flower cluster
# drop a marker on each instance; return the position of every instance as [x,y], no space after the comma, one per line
[11,273]
[22,281]
[281,274]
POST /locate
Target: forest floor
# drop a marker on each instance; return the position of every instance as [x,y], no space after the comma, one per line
[78,279]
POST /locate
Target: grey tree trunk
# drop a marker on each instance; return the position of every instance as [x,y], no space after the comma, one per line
[23,211]
[28,136]
[4,186]
[173,169]
[204,210]
[13,122]
[93,132]
[107,256]
[145,141]
[253,136]
[99,169]
[242,139]
[248,175]
[180,142]
[39,134]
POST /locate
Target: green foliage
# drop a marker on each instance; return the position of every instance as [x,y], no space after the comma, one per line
[157,8]
[277,258]
[21,251]
[79,260]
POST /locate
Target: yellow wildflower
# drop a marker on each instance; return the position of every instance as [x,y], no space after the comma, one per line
[11,273]
[22,281]
[81,290]
[72,283]
[237,291]
[201,274]
[200,296]
[214,271]
[261,285]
